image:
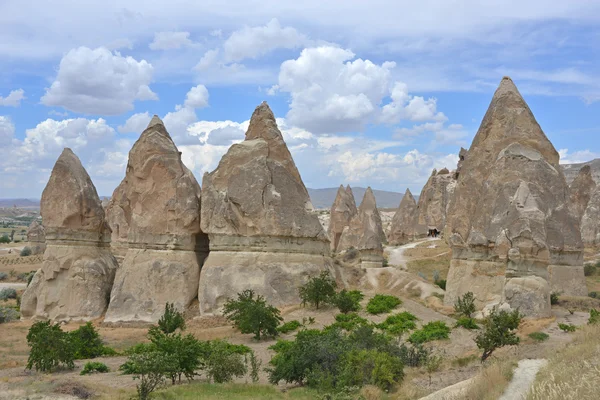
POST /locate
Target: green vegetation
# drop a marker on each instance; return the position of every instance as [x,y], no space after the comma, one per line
[318,290]
[93,366]
[289,326]
[539,336]
[87,343]
[589,269]
[3,276]
[25,252]
[382,303]
[467,323]
[441,283]
[253,315]
[8,314]
[151,369]
[434,330]
[399,324]
[348,322]
[567,327]
[553,298]
[8,293]
[348,301]
[413,355]
[465,305]
[4,239]
[171,320]
[594,317]
[50,347]
[499,331]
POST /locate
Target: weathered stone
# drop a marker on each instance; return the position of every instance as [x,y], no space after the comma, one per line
[78,269]
[404,223]
[433,202]
[581,191]
[256,212]
[590,222]
[511,203]
[36,238]
[342,211]
[461,159]
[155,216]
[530,295]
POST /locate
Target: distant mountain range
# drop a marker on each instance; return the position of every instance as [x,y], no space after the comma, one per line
[571,170]
[324,198]
[20,203]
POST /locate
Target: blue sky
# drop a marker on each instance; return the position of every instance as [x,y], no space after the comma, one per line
[367,93]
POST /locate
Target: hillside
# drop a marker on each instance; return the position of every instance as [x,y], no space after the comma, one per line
[571,170]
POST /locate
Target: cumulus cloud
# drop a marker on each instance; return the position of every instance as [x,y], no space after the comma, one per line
[98,81]
[7,129]
[576,157]
[197,97]
[442,134]
[171,40]
[136,123]
[13,99]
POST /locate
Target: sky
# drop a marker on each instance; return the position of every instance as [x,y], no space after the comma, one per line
[373,93]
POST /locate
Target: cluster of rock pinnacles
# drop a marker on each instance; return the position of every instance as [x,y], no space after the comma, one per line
[507,212]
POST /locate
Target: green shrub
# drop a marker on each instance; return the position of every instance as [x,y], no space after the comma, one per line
[86,342]
[252,315]
[30,277]
[434,330]
[348,301]
[186,351]
[370,367]
[171,319]
[348,322]
[50,347]
[413,356]
[589,269]
[553,298]
[3,276]
[399,324]
[539,336]
[318,290]
[8,314]
[151,368]
[93,366]
[441,284]
[224,362]
[289,326]
[594,317]
[467,323]
[382,303]
[25,252]
[567,327]
[465,305]
[8,293]
[594,295]
[499,331]
[4,239]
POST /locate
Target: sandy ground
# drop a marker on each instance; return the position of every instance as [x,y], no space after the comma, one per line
[396,255]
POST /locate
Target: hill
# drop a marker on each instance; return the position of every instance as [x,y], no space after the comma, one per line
[571,170]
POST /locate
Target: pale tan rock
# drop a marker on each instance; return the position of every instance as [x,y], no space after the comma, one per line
[394,281]
[78,269]
[590,222]
[530,295]
[404,223]
[155,216]
[342,211]
[433,202]
[581,191]
[36,238]
[351,196]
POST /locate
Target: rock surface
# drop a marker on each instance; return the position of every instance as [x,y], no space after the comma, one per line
[530,295]
[433,202]
[78,270]
[36,238]
[403,228]
[257,214]
[581,191]
[590,222]
[510,214]
[155,220]
[342,211]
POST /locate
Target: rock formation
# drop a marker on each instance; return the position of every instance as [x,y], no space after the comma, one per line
[461,159]
[404,223]
[352,198]
[342,211]
[256,212]
[590,222]
[433,201]
[78,270]
[36,238]
[155,216]
[365,232]
[581,191]
[510,215]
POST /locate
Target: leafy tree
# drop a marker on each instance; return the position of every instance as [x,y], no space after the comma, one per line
[224,361]
[50,347]
[318,290]
[382,303]
[499,331]
[465,305]
[26,252]
[348,301]
[252,315]
[93,366]
[171,319]
[86,342]
[371,367]
[434,330]
[151,368]
[4,239]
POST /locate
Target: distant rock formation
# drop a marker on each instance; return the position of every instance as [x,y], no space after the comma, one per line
[257,214]
[510,215]
[78,270]
[404,223]
[365,233]
[581,191]
[572,170]
[36,238]
[342,211]
[433,202]
[155,217]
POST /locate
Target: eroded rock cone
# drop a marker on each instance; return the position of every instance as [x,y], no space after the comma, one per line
[404,222]
[365,232]
[36,238]
[256,212]
[433,201]
[581,191]
[510,215]
[78,270]
[590,222]
[155,219]
[342,211]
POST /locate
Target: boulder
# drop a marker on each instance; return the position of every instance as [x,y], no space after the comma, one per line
[78,270]
[257,214]
[342,211]
[510,211]
[530,295]
[36,238]
[155,217]
[581,191]
[403,228]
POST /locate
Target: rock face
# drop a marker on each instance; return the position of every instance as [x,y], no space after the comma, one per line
[530,294]
[581,191]
[78,270]
[404,223]
[365,232]
[342,211]
[590,222]
[36,238]
[155,217]
[510,215]
[256,212]
[433,202]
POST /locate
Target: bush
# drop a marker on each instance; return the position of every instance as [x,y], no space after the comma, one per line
[318,290]
[594,317]
[499,331]
[594,295]
[567,327]
[4,239]
[370,367]
[465,305]
[93,366]
[399,324]
[224,361]
[441,284]
[151,368]
[348,301]
[86,342]
[25,252]
[252,315]
[382,303]
[413,356]
[289,326]
[467,323]
[3,276]
[8,293]
[434,330]
[589,269]
[348,322]
[553,298]
[8,314]
[50,347]
[171,320]
[539,336]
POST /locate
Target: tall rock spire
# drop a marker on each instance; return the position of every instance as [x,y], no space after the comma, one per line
[404,223]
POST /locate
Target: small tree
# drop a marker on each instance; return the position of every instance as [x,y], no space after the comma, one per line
[4,239]
[348,301]
[50,347]
[318,290]
[151,368]
[465,305]
[252,315]
[86,342]
[499,331]
[186,351]
[26,252]
[171,319]
[225,361]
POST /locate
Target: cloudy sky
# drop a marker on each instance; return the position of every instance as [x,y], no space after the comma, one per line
[368,93]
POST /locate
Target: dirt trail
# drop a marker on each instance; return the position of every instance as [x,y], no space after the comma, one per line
[396,254]
[523,378]
[17,286]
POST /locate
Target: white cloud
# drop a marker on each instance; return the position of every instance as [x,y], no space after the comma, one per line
[171,40]
[197,97]
[13,99]
[577,157]
[136,123]
[7,130]
[413,108]
[99,82]
[122,43]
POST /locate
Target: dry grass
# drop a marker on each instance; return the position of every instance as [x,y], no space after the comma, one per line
[428,266]
[491,382]
[578,303]
[573,372]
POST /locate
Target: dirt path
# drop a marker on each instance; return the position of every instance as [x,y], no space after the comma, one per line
[396,254]
[523,378]
[17,286]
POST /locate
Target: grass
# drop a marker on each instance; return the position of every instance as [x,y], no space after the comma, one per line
[428,266]
[539,336]
[435,330]
[490,383]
